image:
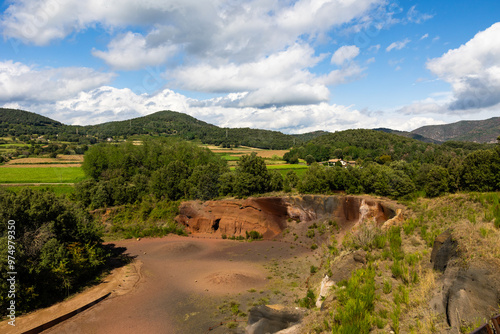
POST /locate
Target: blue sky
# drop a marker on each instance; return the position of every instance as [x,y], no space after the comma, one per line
[293,66]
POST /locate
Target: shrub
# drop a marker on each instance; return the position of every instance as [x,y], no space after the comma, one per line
[309,300]
[357,303]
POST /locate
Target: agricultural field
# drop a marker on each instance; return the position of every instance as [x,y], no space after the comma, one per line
[60,161]
[38,174]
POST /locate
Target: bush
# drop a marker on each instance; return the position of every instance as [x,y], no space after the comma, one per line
[58,248]
[357,303]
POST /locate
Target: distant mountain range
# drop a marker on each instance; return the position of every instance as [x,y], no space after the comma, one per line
[20,122]
[486,131]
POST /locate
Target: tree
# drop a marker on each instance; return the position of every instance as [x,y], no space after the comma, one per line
[481,171]
[276,181]
[314,180]
[310,159]
[437,181]
[252,176]
[292,179]
[58,247]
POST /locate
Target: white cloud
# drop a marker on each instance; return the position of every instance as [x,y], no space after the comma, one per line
[415,16]
[398,45]
[282,78]
[20,82]
[106,104]
[345,53]
[374,48]
[424,36]
[473,70]
[262,49]
[131,52]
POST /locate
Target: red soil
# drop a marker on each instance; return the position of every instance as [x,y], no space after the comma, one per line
[183,282]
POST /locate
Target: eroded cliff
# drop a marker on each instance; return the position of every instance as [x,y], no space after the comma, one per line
[271,215]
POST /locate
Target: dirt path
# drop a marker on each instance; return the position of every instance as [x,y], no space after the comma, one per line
[184,282]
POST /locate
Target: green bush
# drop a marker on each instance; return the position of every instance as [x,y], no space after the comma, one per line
[356,303]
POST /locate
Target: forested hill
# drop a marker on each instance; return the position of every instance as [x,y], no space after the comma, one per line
[174,123]
[485,131]
[381,147]
[409,135]
[162,123]
[19,122]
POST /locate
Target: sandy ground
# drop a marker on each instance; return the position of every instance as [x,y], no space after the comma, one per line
[183,283]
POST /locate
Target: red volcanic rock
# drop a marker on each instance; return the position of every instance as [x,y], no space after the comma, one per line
[270,215]
[235,217]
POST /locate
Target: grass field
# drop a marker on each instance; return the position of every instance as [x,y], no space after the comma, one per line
[300,170]
[41,175]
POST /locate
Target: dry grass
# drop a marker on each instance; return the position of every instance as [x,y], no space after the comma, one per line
[60,161]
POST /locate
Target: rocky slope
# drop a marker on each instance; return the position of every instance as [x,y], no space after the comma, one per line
[270,216]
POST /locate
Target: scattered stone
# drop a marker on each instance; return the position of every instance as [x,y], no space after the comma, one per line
[360,256]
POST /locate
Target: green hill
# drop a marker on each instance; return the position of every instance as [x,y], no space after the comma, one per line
[15,122]
[161,123]
[380,146]
[409,135]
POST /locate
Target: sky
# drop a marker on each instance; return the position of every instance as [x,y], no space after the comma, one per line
[289,65]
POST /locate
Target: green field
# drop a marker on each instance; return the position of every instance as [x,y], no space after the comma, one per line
[300,170]
[41,175]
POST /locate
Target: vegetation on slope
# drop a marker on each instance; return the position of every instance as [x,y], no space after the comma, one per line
[371,145]
[57,248]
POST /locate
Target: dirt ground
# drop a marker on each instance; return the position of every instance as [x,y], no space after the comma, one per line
[188,285]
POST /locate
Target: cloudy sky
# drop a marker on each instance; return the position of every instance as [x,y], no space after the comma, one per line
[288,65]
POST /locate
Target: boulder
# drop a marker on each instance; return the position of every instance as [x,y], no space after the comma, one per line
[471,294]
[345,264]
[264,319]
[445,248]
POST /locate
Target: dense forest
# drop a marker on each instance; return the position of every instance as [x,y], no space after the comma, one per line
[370,145]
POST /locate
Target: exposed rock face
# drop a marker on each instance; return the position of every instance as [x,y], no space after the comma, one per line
[264,319]
[270,215]
[443,250]
[324,291]
[346,263]
[469,294]
[267,216]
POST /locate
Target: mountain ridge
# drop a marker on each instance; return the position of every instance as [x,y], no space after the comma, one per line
[168,122]
[482,131]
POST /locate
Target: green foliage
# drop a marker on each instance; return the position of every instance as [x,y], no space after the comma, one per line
[276,181]
[58,247]
[356,303]
[387,288]
[250,177]
[253,235]
[309,300]
[166,168]
[481,171]
[437,181]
